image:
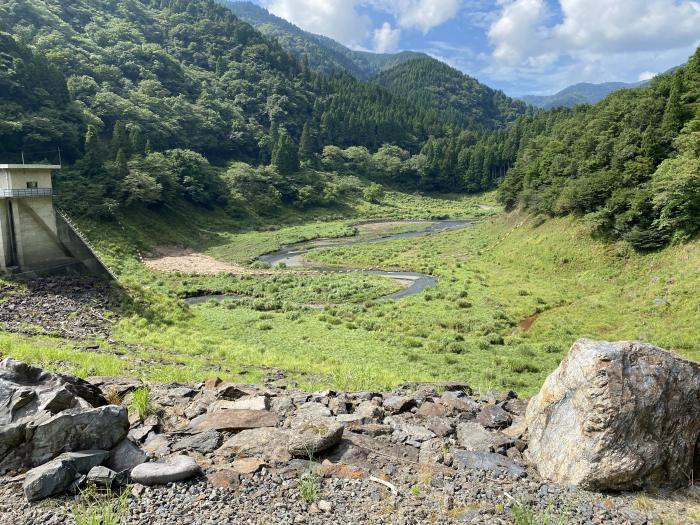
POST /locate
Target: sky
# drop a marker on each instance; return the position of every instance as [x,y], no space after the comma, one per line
[519,46]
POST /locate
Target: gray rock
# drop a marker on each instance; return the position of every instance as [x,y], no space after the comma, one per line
[26,390]
[398,404]
[493,416]
[121,386]
[56,476]
[78,429]
[313,409]
[101,476]
[282,404]
[49,479]
[472,436]
[125,456]
[205,442]
[470,460]
[417,433]
[338,405]
[616,416]
[268,444]
[84,460]
[231,391]
[439,426]
[176,468]
[312,435]
[369,410]
[432,451]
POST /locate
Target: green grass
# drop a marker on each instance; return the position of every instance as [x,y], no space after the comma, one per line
[309,486]
[95,507]
[491,279]
[142,404]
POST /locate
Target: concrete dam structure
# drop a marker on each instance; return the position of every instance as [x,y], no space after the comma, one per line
[35,237]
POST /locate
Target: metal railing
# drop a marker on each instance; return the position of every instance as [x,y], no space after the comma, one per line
[85,240]
[26,192]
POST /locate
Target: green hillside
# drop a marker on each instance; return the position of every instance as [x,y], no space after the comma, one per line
[460,100]
[629,165]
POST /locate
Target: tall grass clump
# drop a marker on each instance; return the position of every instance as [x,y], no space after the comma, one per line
[100,507]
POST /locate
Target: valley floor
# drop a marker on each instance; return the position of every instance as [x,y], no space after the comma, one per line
[513,293]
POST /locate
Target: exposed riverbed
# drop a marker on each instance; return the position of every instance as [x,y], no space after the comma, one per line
[293,256]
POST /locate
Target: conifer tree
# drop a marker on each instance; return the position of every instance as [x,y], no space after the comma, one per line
[136,141]
[120,140]
[285,154]
[121,167]
[307,144]
[94,151]
[673,115]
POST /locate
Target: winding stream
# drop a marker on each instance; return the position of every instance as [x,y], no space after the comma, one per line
[292,256]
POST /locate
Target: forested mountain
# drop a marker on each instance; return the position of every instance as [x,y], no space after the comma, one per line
[458,99]
[630,164]
[185,78]
[582,93]
[35,106]
[324,54]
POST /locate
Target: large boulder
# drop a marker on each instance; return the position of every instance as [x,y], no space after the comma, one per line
[617,416]
[43,414]
[78,429]
[26,390]
[57,475]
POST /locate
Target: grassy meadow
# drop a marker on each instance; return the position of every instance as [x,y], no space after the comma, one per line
[513,293]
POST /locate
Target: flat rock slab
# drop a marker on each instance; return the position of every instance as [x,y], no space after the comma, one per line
[205,442]
[268,444]
[176,468]
[247,465]
[310,436]
[470,460]
[233,421]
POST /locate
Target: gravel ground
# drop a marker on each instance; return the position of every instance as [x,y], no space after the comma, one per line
[272,497]
[71,307]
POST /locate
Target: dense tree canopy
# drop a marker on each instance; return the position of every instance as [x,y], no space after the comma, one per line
[630,163]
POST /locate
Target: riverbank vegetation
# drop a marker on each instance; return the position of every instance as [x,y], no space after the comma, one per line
[513,294]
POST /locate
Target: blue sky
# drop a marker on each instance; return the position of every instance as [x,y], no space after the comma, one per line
[519,46]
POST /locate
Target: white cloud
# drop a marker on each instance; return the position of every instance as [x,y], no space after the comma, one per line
[590,40]
[646,75]
[419,14]
[337,19]
[524,33]
[386,39]
[519,32]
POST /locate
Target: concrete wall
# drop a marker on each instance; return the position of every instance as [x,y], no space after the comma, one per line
[16,178]
[4,235]
[79,249]
[36,233]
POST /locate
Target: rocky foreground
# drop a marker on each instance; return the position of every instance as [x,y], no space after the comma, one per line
[219,452]
[71,307]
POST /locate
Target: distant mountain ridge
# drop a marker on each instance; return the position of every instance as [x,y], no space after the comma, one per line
[581,93]
[324,54]
[423,81]
[458,98]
